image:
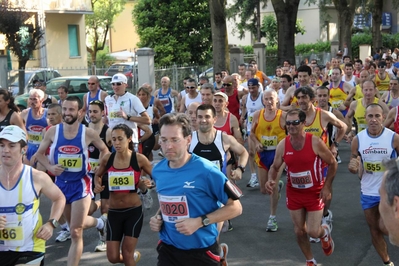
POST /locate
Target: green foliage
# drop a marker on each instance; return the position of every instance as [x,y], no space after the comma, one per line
[103,59]
[388,40]
[269,29]
[100,22]
[246,11]
[179,31]
[248,49]
[317,47]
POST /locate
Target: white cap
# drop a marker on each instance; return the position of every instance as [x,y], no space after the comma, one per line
[119,78]
[13,134]
[224,95]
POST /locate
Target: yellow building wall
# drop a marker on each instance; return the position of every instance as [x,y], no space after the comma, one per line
[58,46]
[123,35]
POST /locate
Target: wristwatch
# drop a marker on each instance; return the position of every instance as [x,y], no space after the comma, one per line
[336,144]
[128,117]
[54,223]
[241,168]
[205,220]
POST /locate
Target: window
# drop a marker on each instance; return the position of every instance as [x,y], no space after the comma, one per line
[73,39]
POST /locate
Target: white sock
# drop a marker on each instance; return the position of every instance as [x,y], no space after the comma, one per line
[253,174]
[314,261]
[100,224]
[272,216]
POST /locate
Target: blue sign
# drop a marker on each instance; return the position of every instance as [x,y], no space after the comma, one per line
[386,20]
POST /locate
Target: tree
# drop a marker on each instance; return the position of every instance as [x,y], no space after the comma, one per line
[219,35]
[100,22]
[177,30]
[286,14]
[249,13]
[269,29]
[22,33]
[376,11]
[346,13]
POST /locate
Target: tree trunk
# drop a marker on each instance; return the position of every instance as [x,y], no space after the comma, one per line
[286,14]
[21,75]
[376,24]
[258,24]
[220,50]
[346,13]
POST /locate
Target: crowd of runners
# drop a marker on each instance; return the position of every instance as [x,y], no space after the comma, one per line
[288,125]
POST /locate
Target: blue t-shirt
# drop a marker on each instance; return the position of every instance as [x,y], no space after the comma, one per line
[191,191]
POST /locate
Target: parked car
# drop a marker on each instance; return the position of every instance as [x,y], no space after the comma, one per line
[77,85]
[208,73]
[129,69]
[30,76]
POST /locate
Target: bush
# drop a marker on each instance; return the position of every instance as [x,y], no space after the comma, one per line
[388,40]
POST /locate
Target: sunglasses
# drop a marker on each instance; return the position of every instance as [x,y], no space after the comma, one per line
[91,83]
[192,87]
[38,84]
[227,84]
[116,84]
[292,122]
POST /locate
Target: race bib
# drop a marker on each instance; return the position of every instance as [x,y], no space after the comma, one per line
[118,181]
[93,164]
[173,208]
[269,142]
[71,162]
[336,104]
[371,167]
[113,115]
[12,235]
[301,180]
[35,137]
[164,101]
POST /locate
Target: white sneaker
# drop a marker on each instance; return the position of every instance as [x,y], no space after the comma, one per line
[63,236]
[328,220]
[136,256]
[314,240]
[101,246]
[253,182]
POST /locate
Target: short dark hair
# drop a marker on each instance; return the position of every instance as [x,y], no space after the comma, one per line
[322,87]
[218,74]
[204,78]
[179,119]
[359,61]
[346,56]
[305,90]
[288,77]
[349,65]
[391,179]
[74,98]
[55,106]
[63,87]
[204,107]
[304,68]
[191,80]
[98,103]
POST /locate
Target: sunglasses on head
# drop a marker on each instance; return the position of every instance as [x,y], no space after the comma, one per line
[292,122]
[190,87]
[97,102]
[227,84]
[116,84]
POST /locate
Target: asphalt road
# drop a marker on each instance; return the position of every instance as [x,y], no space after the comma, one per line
[249,243]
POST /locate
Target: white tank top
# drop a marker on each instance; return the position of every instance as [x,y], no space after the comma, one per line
[281,95]
[372,151]
[188,100]
[252,107]
[20,205]
[352,82]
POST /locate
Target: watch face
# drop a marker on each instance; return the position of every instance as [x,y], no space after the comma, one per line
[206,221]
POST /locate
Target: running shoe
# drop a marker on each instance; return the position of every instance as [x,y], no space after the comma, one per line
[327,242]
[101,246]
[103,231]
[161,154]
[230,228]
[328,220]
[63,235]
[338,158]
[390,264]
[253,179]
[225,249]
[272,225]
[310,263]
[314,240]
[137,256]
[280,187]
